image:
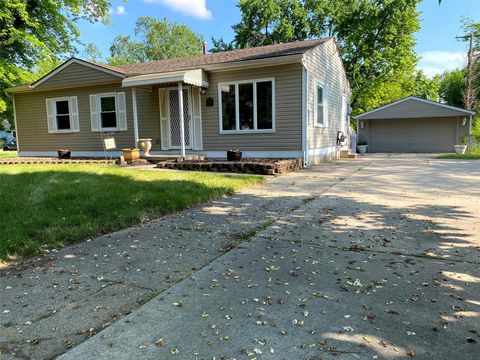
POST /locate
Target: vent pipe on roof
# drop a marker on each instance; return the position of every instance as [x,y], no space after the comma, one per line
[205,49]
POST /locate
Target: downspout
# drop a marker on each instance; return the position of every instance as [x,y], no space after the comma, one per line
[304,111]
[135,115]
[15,121]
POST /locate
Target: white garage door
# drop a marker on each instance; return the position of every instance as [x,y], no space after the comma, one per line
[427,135]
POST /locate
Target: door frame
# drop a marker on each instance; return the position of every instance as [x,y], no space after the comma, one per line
[190,117]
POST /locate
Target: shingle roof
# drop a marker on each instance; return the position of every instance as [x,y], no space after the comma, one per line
[254,53]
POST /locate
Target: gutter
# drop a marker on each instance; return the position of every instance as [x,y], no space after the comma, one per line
[304,111]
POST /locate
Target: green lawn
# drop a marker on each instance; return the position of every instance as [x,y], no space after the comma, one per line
[54,205]
[471,155]
[7,154]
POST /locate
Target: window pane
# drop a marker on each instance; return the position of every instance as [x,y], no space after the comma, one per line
[245,94]
[62,107]
[63,122]
[264,105]
[107,103]
[109,120]
[320,114]
[319,95]
[228,107]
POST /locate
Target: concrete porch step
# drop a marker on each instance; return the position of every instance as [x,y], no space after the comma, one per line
[347,154]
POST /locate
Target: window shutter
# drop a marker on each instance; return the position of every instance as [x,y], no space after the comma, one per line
[121,112]
[50,118]
[325,105]
[73,109]
[197,119]
[94,113]
[164,136]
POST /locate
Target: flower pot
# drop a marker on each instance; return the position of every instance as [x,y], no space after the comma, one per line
[145,145]
[234,155]
[131,154]
[460,149]
[64,154]
[362,149]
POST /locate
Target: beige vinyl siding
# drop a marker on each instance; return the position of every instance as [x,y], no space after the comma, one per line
[288,111]
[324,65]
[77,75]
[32,128]
[412,108]
[148,115]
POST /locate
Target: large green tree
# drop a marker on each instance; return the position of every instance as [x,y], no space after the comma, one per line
[376,38]
[155,40]
[35,33]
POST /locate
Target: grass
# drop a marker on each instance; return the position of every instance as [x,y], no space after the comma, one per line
[471,155]
[50,206]
[8,154]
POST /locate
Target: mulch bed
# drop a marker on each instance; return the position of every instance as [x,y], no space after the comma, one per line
[53,160]
[248,166]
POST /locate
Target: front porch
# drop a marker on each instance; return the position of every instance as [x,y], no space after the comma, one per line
[180,131]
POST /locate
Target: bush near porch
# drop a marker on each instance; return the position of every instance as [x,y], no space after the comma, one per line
[50,206]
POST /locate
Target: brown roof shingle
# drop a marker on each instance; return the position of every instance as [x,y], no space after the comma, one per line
[260,52]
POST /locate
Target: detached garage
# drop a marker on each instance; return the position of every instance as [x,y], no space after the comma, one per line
[414,125]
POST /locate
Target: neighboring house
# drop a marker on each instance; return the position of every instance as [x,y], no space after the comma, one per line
[414,125]
[280,101]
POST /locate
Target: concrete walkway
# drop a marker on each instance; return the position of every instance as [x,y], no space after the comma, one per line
[377,258]
[54,303]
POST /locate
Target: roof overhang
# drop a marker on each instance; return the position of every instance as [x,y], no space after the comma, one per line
[366,115]
[196,77]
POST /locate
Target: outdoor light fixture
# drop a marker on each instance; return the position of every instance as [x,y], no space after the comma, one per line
[464,121]
[202,90]
[362,124]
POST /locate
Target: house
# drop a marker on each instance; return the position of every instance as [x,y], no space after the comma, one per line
[278,101]
[414,125]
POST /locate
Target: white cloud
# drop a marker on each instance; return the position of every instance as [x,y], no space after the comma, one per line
[120,10]
[436,62]
[195,8]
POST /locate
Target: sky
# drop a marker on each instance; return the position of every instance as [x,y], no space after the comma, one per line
[436,44]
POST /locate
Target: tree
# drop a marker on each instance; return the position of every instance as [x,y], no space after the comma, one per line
[91,52]
[376,37]
[39,30]
[157,40]
[220,45]
[452,87]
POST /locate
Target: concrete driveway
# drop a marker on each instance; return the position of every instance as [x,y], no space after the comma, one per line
[377,258]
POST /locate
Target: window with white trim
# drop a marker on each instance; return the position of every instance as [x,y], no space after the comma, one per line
[107,111]
[321,105]
[247,106]
[62,114]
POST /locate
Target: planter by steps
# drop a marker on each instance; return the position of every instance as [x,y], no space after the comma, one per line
[145,145]
[460,149]
[362,149]
[64,154]
[131,154]
[234,155]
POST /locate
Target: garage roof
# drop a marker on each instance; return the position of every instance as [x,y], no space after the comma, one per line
[413,107]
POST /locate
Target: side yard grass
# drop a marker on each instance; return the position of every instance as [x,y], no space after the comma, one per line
[8,154]
[471,155]
[49,206]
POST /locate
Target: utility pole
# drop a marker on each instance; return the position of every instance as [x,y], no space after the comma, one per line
[469,95]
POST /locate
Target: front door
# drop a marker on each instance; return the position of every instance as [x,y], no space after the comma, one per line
[174,119]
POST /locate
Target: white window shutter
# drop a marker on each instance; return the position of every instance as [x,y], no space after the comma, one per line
[94,116]
[197,119]
[50,118]
[73,109]
[164,136]
[325,105]
[121,112]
